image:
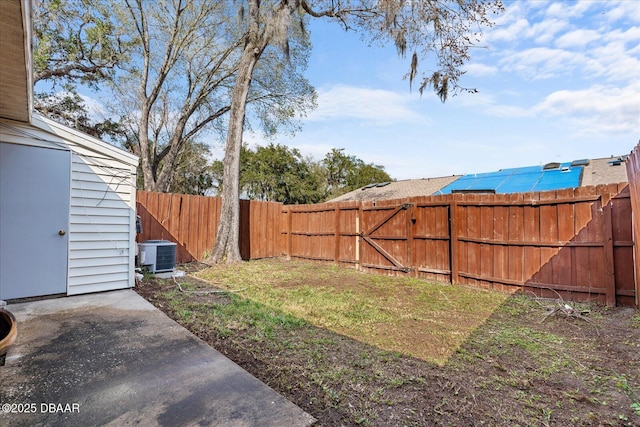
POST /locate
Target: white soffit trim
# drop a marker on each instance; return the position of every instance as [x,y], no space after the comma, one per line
[83,139]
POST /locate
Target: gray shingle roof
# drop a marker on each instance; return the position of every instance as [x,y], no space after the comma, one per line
[601,171]
[399,189]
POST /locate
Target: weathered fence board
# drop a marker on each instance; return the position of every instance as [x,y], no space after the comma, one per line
[571,243]
[633,174]
[575,243]
[192,223]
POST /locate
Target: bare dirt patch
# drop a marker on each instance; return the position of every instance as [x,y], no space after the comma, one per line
[518,367]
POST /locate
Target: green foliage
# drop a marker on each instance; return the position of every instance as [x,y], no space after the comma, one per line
[76,41]
[635,321]
[278,173]
[345,173]
[631,391]
[279,93]
[69,109]
[193,172]
[166,68]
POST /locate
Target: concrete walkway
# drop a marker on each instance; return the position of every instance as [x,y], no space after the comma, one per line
[114,359]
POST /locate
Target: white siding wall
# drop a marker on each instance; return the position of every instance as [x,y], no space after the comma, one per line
[102,205]
[100,225]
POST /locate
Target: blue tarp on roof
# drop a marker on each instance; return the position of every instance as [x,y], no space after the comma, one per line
[518,180]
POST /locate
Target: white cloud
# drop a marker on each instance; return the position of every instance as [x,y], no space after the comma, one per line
[578,39]
[481,70]
[542,62]
[624,10]
[510,32]
[569,10]
[630,36]
[488,104]
[94,107]
[376,106]
[614,63]
[544,32]
[598,109]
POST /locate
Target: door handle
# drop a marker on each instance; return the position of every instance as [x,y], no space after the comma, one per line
[62,232]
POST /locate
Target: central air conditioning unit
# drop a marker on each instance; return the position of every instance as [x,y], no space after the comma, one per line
[158,255]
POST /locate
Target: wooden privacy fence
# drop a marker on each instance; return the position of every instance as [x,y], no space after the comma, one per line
[633,174]
[576,243]
[192,223]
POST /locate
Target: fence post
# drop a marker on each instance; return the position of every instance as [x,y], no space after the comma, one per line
[609,273]
[633,173]
[289,232]
[411,262]
[336,235]
[453,239]
[358,216]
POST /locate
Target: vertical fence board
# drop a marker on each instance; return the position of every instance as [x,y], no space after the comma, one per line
[609,279]
[531,216]
[154,226]
[500,232]
[581,258]
[571,243]
[472,248]
[566,219]
[454,244]
[516,234]
[486,250]
[548,234]
[633,174]
[622,233]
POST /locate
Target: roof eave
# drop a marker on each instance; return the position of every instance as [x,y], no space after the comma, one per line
[84,139]
[16,72]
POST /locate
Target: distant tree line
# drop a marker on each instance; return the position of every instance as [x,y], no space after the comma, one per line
[277,173]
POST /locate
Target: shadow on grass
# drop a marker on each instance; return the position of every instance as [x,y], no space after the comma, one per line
[512,368]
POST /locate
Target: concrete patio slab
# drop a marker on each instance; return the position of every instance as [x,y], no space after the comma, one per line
[114,359]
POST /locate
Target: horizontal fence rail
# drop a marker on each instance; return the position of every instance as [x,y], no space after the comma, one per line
[577,244]
[192,223]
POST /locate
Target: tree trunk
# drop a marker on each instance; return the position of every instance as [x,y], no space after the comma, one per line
[227,245]
[145,160]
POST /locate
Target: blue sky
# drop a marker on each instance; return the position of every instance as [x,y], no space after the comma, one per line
[557,81]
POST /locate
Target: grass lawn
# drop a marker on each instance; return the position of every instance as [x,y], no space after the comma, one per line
[362,349]
[425,320]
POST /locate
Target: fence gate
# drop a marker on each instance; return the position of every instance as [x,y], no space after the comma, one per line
[385,238]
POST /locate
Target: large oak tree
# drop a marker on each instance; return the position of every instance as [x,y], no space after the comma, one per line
[168,68]
[75,42]
[188,57]
[438,33]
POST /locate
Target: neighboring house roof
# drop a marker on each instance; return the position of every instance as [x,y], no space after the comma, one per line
[16,81]
[609,170]
[398,189]
[553,176]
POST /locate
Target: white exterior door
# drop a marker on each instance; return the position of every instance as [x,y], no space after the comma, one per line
[34,220]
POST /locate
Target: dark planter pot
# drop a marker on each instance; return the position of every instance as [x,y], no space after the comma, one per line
[8,331]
